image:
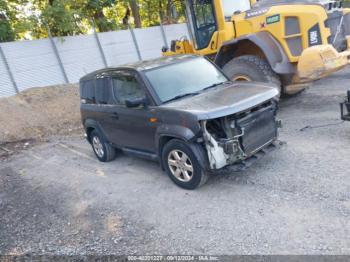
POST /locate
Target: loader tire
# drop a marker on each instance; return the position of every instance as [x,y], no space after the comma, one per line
[251,68]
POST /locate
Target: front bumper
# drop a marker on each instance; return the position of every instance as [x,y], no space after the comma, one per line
[245,164]
[320,61]
[254,133]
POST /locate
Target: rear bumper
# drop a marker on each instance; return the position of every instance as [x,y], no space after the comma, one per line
[320,61]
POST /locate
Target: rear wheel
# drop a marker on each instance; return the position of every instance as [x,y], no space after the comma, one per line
[251,68]
[102,149]
[182,166]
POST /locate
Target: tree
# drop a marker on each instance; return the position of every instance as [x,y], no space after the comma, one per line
[30,19]
[60,18]
[7,14]
[6,31]
[95,10]
[135,13]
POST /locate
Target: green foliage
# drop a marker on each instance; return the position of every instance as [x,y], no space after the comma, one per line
[6,31]
[30,19]
[60,18]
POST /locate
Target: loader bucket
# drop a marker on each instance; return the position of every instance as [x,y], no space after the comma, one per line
[319,61]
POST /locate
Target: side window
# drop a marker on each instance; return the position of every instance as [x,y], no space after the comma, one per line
[87,91]
[126,87]
[205,23]
[102,91]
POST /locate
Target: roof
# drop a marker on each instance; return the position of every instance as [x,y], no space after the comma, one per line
[269,3]
[142,65]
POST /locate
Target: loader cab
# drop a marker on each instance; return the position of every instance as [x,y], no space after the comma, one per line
[202,21]
[206,16]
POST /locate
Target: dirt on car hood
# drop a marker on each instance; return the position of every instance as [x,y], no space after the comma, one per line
[225,100]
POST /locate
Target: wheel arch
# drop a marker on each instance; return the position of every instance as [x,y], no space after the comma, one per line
[167,132]
[196,148]
[261,44]
[91,125]
[164,139]
[88,131]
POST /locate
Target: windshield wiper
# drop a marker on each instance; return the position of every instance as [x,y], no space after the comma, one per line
[196,93]
[214,85]
[182,96]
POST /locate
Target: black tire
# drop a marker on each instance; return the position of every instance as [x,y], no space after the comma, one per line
[253,68]
[198,176]
[108,151]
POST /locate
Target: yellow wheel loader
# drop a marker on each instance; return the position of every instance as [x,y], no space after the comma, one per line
[288,42]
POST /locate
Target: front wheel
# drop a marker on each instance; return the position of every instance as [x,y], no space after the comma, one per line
[182,165]
[251,68]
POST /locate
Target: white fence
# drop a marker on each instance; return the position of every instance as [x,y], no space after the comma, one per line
[45,62]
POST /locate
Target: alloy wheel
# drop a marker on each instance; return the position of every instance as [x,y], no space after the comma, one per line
[180,165]
[98,147]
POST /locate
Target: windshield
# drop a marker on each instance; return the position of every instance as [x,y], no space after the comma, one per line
[185,78]
[230,7]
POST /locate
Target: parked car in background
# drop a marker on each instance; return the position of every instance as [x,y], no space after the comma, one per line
[181,111]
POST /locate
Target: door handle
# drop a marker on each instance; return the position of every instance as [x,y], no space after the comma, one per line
[115,115]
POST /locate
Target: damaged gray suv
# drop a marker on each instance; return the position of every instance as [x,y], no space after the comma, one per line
[181,111]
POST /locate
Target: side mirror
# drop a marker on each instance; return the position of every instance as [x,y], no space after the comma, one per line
[136,102]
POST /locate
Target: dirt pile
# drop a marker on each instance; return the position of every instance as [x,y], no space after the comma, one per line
[40,112]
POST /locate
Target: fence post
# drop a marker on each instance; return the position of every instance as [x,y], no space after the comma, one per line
[163,31]
[8,69]
[135,42]
[100,46]
[54,47]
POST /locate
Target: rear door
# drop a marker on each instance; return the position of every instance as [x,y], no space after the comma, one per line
[105,108]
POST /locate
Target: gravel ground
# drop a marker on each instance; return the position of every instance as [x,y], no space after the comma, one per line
[56,198]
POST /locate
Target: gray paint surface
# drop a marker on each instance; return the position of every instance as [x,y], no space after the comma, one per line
[224,100]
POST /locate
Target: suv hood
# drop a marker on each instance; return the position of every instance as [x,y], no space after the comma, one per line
[226,99]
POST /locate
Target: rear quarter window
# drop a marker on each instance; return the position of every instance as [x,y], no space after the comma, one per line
[87,91]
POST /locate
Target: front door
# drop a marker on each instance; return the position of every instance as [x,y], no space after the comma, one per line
[134,126]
